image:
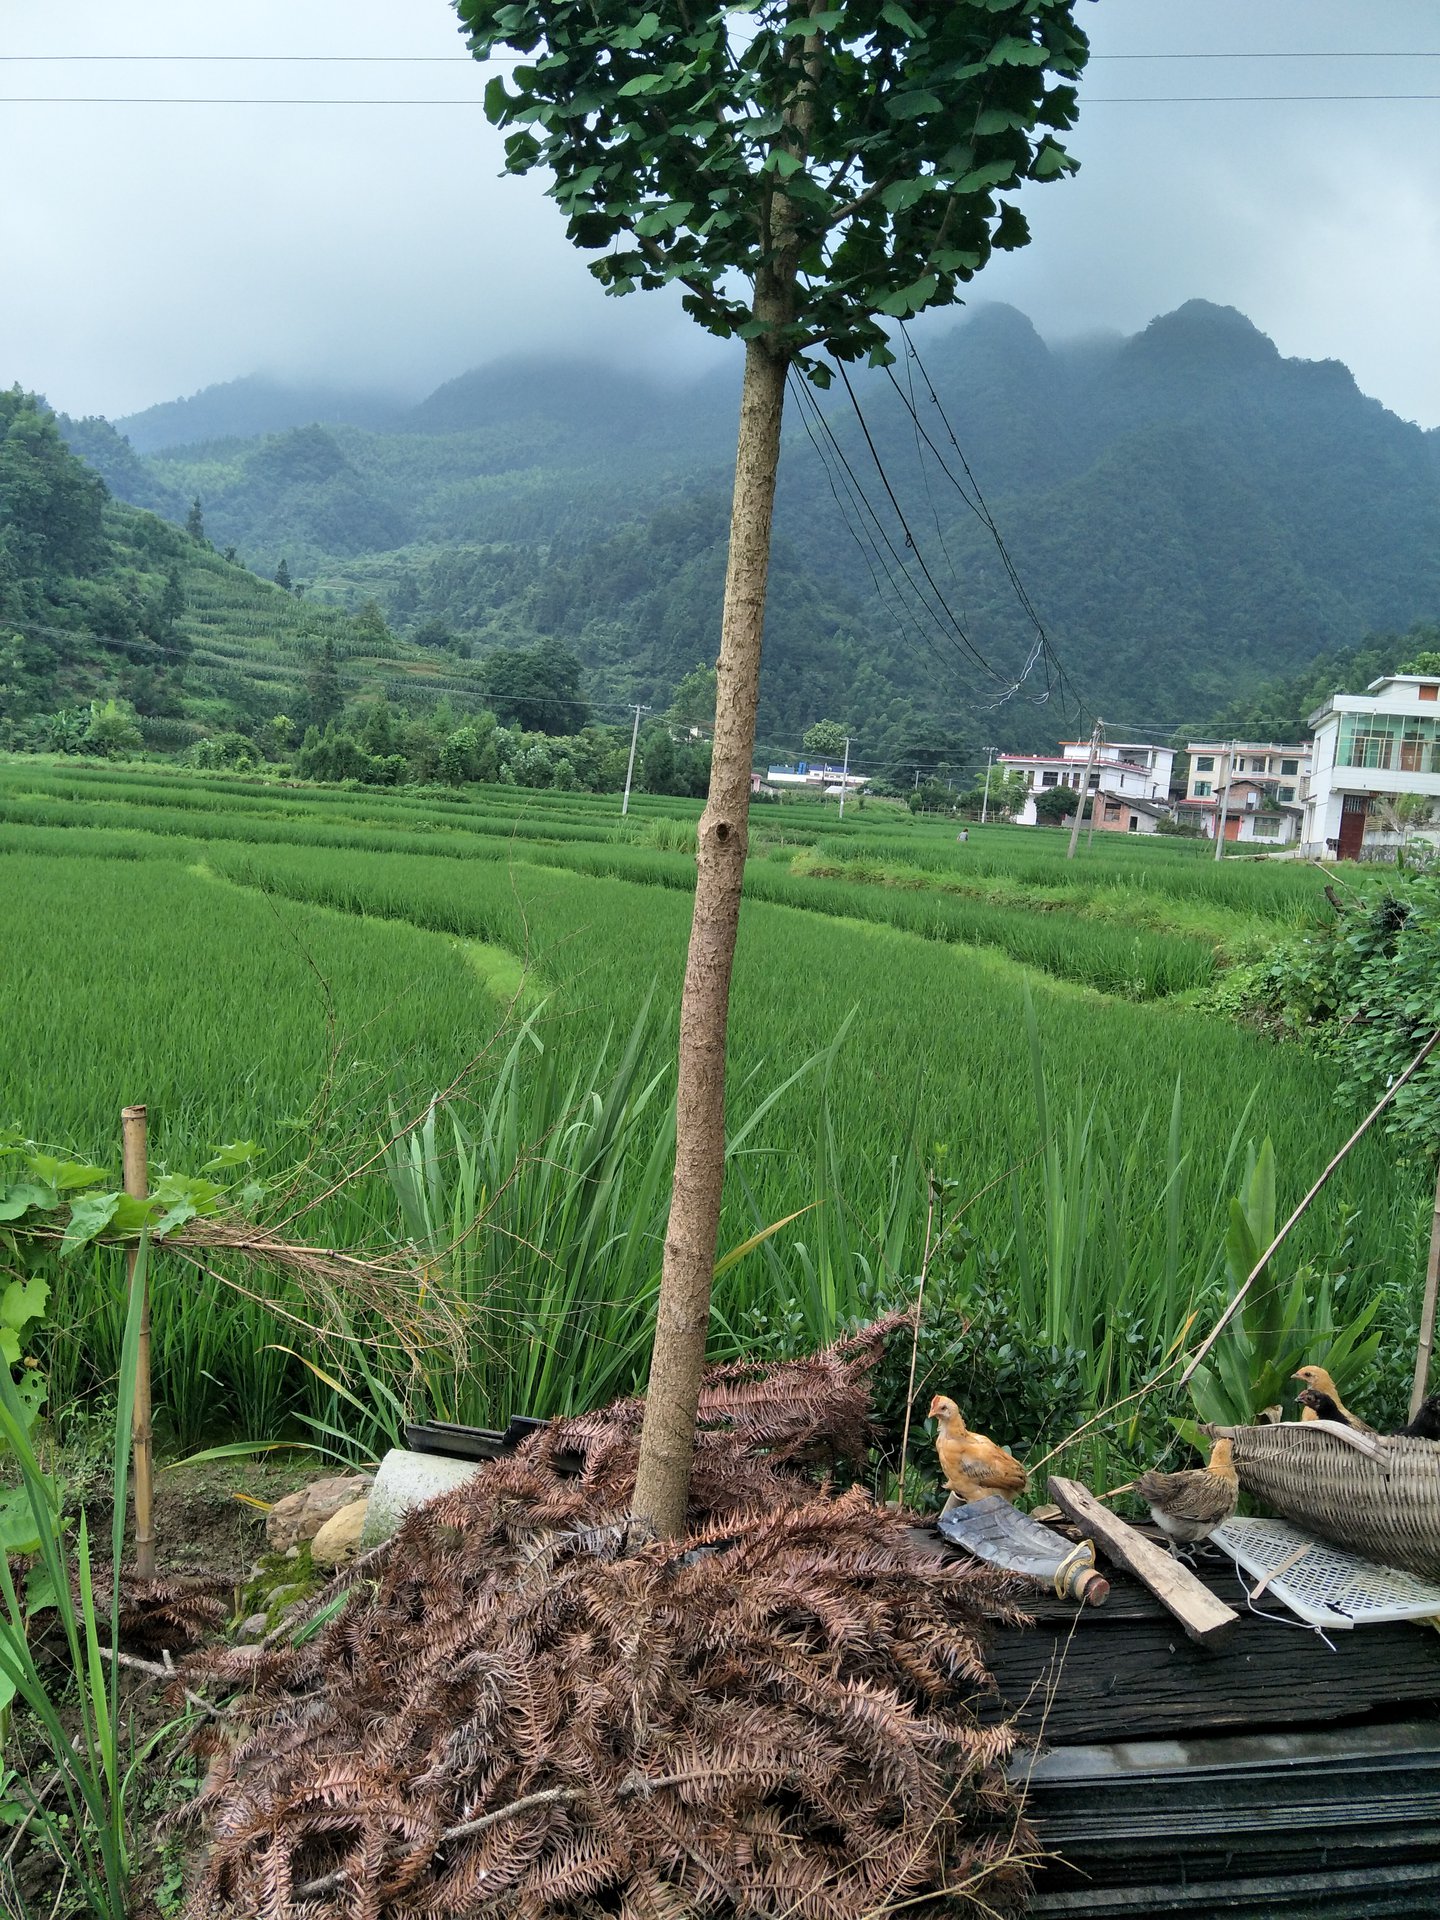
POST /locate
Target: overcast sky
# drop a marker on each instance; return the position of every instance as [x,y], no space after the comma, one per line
[150,250]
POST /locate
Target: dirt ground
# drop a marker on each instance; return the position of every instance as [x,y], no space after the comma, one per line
[209,1520]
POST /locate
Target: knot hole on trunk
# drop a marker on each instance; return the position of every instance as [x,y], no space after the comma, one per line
[722,831]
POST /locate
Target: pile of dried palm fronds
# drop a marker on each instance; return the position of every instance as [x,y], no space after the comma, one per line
[525,1709]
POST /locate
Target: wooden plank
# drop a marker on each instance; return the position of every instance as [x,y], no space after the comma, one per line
[1115,1677]
[1207,1620]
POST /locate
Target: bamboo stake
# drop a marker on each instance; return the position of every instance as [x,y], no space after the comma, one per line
[915,1338]
[133,1128]
[1275,1245]
[1427,1311]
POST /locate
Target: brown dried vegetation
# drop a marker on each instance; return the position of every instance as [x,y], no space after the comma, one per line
[526,1709]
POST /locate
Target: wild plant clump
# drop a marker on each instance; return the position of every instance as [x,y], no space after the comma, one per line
[526,1708]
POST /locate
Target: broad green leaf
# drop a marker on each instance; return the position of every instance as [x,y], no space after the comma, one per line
[132,1215]
[908,299]
[993,174]
[1050,160]
[898,17]
[64,1174]
[1014,52]
[238,1152]
[203,1196]
[175,1215]
[88,1216]
[21,1302]
[30,1391]
[40,1592]
[18,1200]
[18,1530]
[910,106]
[904,193]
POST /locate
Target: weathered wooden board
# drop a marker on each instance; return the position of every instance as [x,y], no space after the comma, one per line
[1207,1619]
[1126,1672]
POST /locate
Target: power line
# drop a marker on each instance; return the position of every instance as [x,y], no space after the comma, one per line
[978,506]
[833,460]
[1087,100]
[465,59]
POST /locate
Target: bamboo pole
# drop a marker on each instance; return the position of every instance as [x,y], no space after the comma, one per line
[1275,1245]
[133,1129]
[1427,1311]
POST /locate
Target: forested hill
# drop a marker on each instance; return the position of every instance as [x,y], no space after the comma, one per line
[116,625]
[256,404]
[1190,512]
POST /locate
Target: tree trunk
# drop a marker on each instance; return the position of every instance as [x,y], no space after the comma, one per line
[667,1441]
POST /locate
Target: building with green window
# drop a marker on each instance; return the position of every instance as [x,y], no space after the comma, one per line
[1375,779]
[1253,786]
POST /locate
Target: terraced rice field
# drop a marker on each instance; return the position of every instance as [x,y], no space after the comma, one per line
[291,965]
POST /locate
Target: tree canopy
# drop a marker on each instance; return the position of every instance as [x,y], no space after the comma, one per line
[670,131]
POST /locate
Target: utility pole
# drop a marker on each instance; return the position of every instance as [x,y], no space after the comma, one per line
[1224,801]
[844,776]
[1085,789]
[630,770]
[985,803]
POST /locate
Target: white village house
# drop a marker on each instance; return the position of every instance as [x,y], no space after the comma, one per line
[1371,749]
[827,778]
[1266,785]
[1129,782]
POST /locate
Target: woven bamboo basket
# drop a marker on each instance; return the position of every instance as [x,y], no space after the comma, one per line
[1386,1509]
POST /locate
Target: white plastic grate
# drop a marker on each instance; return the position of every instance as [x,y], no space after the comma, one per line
[1324,1585]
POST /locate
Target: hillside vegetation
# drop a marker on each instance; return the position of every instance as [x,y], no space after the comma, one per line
[103,605]
[1191,513]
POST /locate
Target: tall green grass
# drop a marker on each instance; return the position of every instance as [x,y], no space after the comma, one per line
[289,967]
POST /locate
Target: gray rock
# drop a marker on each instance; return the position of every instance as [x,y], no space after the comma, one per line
[300,1516]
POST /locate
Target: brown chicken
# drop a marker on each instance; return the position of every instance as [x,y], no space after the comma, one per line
[1189,1506]
[1319,1381]
[972,1464]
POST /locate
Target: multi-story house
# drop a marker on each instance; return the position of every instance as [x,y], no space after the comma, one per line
[1266,789]
[1373,749]
[1129,782]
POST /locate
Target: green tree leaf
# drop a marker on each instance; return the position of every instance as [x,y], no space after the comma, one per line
[88,1216]
[64,1174]
[23,1198]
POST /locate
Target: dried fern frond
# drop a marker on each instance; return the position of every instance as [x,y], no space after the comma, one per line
[529,1709]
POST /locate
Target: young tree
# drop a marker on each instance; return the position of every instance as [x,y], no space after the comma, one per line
[693,702]
[195,521]
[1054,805]
[323,698]
[826,739]
[844,164]
[282,576]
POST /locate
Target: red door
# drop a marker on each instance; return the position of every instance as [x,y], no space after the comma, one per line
[1353,810]
[1232,826]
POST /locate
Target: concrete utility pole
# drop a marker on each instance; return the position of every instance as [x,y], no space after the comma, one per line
[985,802]
[1224,802]
[630,770]
[844,776]
[1085,789]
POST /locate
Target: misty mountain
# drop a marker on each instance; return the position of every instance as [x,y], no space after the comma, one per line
[240,409]
[1190,512]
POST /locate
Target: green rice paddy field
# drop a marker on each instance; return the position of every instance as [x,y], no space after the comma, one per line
[293,966]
